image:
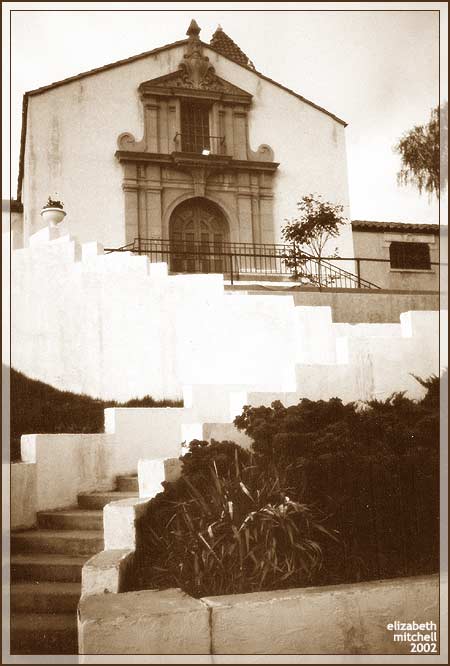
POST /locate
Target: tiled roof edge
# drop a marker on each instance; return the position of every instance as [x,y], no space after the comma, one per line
[367,225]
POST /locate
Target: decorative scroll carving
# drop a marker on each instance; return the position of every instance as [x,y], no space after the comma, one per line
[263,154]
[126,141]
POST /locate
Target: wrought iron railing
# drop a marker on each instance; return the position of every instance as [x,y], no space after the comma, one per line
[199,144]
[247,261]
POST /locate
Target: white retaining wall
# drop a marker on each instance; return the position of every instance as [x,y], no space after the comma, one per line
[115,326]
[341,619]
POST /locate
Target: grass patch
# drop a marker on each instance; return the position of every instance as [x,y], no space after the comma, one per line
[37,407]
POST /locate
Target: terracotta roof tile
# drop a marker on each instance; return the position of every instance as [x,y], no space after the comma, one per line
[225,45]
[406,227]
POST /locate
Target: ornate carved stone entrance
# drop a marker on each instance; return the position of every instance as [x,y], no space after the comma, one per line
[196,142]
[198,226]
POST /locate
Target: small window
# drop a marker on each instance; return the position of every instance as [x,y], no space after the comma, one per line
[194,127]
[410,255]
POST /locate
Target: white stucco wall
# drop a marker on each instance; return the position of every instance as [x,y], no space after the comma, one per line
[23,494]
[72,131]
[375,245]
[350,619]
[117,327]
[308,144]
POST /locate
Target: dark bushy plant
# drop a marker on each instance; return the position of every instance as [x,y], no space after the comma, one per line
[373,468]
[330,493]
[227,526]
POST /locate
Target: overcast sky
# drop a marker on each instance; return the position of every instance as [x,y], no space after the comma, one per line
[378,70]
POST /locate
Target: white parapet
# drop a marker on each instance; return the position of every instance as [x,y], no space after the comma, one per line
[144,432]
[119,523]
[152,473]
[67,465]
[105,572]
[219,432]
[23,494]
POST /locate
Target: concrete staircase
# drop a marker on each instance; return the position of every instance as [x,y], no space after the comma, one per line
[46,565]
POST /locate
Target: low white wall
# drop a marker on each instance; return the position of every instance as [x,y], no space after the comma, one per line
[342,619]
[119,523]
[144,433]
[150,622]
[152,474]
[67,465]
[23,495]
[106,572]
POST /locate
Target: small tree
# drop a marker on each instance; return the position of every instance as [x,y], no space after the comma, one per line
[419,150]
[318,222]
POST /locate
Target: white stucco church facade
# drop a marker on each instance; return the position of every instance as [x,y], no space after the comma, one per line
[185,142]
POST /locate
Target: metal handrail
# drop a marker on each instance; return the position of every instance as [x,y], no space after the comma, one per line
[245,259]
[212,140]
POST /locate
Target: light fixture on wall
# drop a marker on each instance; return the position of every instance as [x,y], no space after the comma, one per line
[206,151]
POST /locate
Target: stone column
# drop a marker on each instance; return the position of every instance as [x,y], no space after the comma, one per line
[266,216]
[130,189]
[151,110]
[240,134]
[154,213]
[245,218]
[173,124]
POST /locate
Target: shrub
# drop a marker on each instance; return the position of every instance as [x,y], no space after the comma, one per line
[228,526]
[331,493]
[372,468]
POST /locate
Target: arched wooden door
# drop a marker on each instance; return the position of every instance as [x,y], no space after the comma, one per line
[198,231]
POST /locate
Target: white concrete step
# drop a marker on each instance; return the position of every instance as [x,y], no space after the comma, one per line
[33,633]
[45,597]
[71,519]
[47,567]
[70,542]
[99,500]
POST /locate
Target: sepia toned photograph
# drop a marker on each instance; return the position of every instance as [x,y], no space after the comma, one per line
[225,325]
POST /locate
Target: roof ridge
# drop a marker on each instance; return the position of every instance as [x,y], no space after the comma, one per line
[116,63]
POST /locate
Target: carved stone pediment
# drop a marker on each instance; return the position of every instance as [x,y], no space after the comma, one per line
[179,83]
[195,76]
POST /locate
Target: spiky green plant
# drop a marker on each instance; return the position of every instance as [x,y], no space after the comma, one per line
[241,532]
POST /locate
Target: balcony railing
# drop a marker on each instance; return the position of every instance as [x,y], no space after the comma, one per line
[248,261]
[199,144]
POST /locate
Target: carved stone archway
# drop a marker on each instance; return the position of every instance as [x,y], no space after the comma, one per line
[198,232]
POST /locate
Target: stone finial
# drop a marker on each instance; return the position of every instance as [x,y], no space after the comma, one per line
[196,70]
[194,29]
